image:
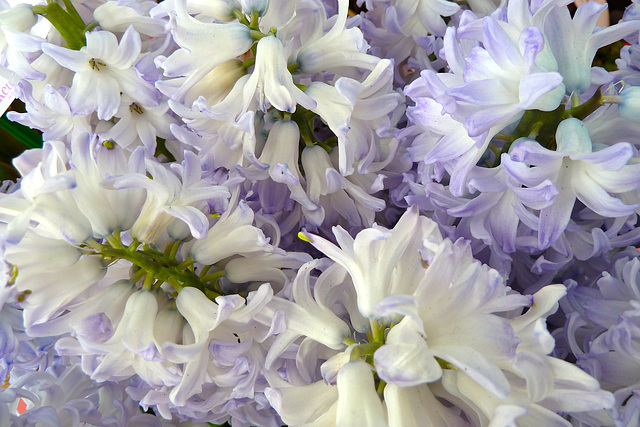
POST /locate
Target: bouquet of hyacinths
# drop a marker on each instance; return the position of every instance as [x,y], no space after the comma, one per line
[270,212]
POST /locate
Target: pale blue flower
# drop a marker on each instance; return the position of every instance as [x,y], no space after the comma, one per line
[501,205]
[233,233]
[341,198]
[504,78]
[62,395]
[271,82]
[117,16]
[487,89]
[358,113]
[417,18]
[629,106]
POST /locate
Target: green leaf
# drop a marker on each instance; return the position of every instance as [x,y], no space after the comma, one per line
[26,136]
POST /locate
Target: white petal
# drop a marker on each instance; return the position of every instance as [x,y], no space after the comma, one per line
[358,402]
[405,360]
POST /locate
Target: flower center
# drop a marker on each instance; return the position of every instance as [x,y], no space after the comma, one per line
[135,108]
[96,64]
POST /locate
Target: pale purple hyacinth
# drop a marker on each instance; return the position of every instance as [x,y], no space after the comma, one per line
[501,205]
[63,395]
[629,64]
[10,323]
[174,276]
[52,115]
[578,172]
[602,331]
[461,124]
[488,89]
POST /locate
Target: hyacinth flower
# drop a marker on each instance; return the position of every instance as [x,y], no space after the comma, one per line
[52,115]
[104,69]
[117,316]
[601,333]
[149,255]
[487,90]
[574,42]
[60,396]
[15,41]
[416,344]
[293,71]
[445,144]
[578,172]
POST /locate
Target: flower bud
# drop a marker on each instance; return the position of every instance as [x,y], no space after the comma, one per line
[260,6]
[629,107]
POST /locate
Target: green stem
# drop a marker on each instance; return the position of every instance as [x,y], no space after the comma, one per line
[175,249]
[257,35]
[134,245]
[167,248]
[377,332]
[255,15]
[186,263]
[241,18]
[592,104]
[137,276]
[348,341]
[306,133]
[73,13]
[535,130]
[204,271]
[496,151]
[94,245]
[249,63]
[67,22]
[213,276]
[575,99]
[90,26]
[177,286]
[504,137]
[114,240]
[380,389]
[148,282]
[157,265]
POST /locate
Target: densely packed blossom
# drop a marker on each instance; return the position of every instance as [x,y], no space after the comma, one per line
[268,212]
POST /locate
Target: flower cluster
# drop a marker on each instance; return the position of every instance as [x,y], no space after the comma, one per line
[268,212]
